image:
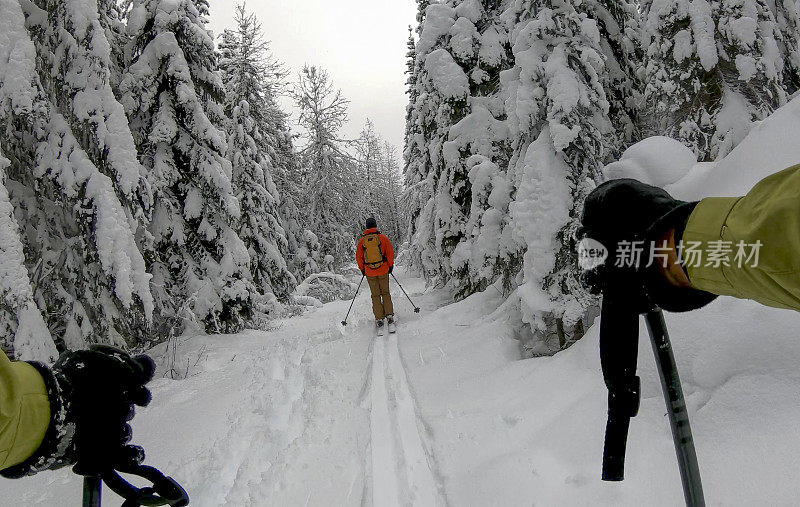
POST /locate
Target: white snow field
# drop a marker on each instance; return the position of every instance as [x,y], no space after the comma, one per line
[445,412]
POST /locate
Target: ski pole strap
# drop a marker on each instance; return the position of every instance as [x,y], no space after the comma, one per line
[164,490]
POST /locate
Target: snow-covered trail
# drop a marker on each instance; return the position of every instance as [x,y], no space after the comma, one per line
[401,464]
[306,414]
[446,413]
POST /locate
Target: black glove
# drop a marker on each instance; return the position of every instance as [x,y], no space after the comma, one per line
[627,210]
[391,268]
[92,393]
[363,272]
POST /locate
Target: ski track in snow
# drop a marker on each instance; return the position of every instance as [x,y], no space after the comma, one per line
[402,468]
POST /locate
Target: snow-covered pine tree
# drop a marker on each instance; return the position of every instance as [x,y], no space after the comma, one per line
[787,15]
[618,23]
[246,63]
[276,141]
[87,274]
[301,259]
[558,115]
[711,69]
[22,328]
[173,93]
[456,125]
[111,19]
[419,178]
[394,220]
[327,170]
[369,157]
[75,68]
[422,7]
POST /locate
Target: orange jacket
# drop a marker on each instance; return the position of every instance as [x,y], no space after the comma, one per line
[386,250]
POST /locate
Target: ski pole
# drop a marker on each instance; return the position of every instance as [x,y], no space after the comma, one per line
[676,408]
[92,488]
[416,308]
[619,331]
[344,322]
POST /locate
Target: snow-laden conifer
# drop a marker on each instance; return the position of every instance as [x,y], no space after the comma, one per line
[711,70]
[75,68]
[173,93]
[787,15]
[618,24]
[87,273]
[246,65]
[22,328]
[455,124]
[558,115]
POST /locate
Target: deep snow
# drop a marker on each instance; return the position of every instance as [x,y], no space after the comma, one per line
[445,413]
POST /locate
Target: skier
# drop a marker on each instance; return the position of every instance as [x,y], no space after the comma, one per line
[375,258]
[75,413]
[746,247]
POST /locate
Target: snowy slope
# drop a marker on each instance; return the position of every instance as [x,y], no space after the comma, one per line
[772,145]
[511,432]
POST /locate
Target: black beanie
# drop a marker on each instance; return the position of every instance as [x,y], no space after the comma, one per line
[371,223]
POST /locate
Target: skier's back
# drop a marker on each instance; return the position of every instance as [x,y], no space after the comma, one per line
[375,258]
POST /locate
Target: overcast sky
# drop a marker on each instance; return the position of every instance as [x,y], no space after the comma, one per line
[361,43]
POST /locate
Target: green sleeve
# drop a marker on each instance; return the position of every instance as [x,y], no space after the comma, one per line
[762,231]
[24,411]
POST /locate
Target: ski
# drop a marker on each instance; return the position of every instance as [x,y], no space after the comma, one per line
[392,327]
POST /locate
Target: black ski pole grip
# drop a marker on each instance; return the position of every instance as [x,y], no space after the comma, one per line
[619,348]
[92,490]
[623,403]
[614,448]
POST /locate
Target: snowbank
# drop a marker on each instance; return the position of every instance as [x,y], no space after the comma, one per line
[324,287]
[511,432]
[656,160]
[771,146]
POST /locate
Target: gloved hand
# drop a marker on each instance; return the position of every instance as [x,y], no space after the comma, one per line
[363,272]
[627,210]
[92,395]
[391,268]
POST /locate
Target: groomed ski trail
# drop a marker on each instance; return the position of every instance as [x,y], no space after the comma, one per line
[402,471]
